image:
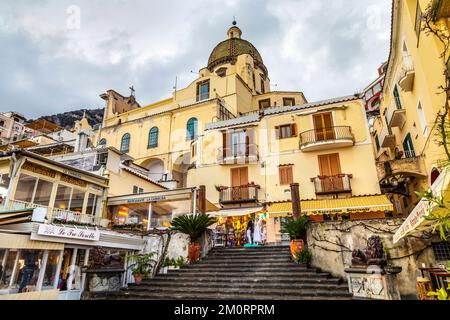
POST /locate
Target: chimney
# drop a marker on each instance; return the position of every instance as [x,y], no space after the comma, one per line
[295,198]
[202,199]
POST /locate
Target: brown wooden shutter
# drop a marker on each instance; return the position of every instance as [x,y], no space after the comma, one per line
[289,173]
[329,164]
[335,165]
[282,175]
[294,129]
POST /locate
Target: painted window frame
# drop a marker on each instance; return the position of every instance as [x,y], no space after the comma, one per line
[192,129]
[153,137]
[125,143]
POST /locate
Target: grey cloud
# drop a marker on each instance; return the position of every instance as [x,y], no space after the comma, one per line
[46,69]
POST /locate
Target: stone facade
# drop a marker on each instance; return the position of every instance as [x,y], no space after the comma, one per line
[332,243]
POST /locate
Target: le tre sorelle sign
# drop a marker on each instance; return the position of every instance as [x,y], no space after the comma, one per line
[71,233]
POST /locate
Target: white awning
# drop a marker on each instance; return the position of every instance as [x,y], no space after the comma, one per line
[416,219]
[235,212]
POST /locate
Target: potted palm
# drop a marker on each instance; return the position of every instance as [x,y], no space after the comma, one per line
[303,257]
[194,226]
[142,265]
[296,228]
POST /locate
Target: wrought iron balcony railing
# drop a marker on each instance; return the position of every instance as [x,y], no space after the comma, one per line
[332,184]
[330,134]
[241,194]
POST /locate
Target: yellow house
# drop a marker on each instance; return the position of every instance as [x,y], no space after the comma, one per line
[408,155]
[247,144]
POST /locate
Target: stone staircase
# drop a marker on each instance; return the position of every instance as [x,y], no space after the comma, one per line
[264,273]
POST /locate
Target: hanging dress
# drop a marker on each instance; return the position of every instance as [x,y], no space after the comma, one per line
[257,233]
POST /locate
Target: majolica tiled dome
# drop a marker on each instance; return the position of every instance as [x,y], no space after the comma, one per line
[227,51]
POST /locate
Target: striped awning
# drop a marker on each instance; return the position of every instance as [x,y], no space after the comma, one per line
[20,241]
[334,206]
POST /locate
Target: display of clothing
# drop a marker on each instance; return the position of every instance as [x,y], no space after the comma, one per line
[257,233]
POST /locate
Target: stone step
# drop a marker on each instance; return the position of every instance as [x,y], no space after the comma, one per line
[254,273]
[232,296]
[244,280]
[248,256]
[273,264]
[260,248]
[244,261]
[240,285]
[245,291]
[292,268]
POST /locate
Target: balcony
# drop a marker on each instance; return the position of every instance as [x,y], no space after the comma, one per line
[410,166]
[407,75]
[239,195]
[396,118]
[387,138]
[238,153]
[327,138]
[55,215]
[332,184]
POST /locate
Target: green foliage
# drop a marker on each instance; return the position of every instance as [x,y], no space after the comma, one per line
[192,225]
[172,262]
[142,263]
[439,217]
[296,228]
[441,294]
[304,256]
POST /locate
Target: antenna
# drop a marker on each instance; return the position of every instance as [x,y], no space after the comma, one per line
[175,87]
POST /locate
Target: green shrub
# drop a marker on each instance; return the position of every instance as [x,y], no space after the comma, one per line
[304,256]
[192,225]
[296,228]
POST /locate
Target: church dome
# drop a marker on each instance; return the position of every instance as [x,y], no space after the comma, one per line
[227,51]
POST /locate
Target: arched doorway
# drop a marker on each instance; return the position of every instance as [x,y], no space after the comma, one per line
[155,167]
[180,169]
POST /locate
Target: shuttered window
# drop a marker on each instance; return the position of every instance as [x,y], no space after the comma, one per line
[286,175]
[418,23]
[286,131]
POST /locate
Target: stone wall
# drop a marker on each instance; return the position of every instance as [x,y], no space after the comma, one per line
[332,244]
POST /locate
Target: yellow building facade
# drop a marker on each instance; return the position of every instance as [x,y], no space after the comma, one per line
[247,144]
[408,155]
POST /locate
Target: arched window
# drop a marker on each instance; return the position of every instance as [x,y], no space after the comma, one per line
[192,129]
[153,138]
[125,145]
[435,173]
[102,143]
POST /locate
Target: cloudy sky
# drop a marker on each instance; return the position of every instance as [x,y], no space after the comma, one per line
[59,55]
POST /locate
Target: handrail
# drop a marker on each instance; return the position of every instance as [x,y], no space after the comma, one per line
[238,150]
[332,184]
[238,194]
[326,134]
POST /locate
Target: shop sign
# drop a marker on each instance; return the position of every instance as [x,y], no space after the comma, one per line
[147,199]
[70,233]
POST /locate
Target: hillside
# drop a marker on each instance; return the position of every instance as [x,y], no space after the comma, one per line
[67,119]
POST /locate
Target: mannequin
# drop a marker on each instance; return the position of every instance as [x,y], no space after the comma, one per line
[249,232]
[257,234]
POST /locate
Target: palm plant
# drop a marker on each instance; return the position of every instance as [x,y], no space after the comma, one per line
[192,225]
[296,227]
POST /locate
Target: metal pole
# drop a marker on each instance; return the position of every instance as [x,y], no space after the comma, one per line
[149,217]
[42,271]
[72,269]
[58,269]
[85,263]
[194,209]
[13,274]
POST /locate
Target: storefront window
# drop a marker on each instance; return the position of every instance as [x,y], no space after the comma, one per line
[34,190]
[76,204]
[4,184]
[30,263]
[92,204]
[62,200]
[50,270]
[64,274]
[8,269]
[43,192]
[25,188]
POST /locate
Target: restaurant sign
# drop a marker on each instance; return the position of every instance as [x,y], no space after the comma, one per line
[70,233]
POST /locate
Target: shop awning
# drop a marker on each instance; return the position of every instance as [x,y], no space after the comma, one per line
[235,212]
[334,206]
[416,219]
[20,241]
[9,217]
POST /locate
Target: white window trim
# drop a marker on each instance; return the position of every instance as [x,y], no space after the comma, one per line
[424,125]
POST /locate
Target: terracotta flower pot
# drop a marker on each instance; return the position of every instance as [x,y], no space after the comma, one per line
[138,279]
[193,252]
[296,246]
